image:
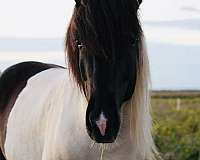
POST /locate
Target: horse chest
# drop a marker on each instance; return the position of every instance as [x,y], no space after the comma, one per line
[54,127]
[85,152]
[79,147]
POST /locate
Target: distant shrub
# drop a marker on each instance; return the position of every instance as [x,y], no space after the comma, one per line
[177,131]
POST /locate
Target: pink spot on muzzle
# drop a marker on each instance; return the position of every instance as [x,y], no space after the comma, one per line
[102,124]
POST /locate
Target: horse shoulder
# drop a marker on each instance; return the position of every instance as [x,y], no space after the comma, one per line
[28,119]
[12,82]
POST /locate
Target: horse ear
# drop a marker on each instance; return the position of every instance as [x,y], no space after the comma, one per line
[78,2]
[138,3]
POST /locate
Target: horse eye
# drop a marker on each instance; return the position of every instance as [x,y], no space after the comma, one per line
[80,47]
[133,40]
[129,91]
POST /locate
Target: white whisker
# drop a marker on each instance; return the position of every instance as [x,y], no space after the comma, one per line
[102,151]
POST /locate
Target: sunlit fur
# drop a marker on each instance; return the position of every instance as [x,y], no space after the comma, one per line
[139,109]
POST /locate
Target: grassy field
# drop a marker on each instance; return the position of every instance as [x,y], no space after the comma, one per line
[177,125]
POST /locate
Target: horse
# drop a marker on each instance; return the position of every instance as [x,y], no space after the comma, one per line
[97,107]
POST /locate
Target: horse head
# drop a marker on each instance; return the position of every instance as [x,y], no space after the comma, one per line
[103,49]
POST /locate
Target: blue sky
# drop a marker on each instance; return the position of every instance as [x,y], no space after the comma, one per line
[34,30]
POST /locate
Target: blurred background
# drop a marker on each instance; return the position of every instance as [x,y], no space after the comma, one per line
[35,30]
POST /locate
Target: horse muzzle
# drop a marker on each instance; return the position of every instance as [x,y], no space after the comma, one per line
[102,128]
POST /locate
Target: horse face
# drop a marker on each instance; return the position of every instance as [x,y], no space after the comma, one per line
[110,81]
[105,65]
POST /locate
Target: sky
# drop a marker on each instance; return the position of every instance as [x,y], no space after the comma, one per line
[34,18]
[172,29]
[49,18]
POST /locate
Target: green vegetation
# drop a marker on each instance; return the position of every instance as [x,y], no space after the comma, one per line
[177,127]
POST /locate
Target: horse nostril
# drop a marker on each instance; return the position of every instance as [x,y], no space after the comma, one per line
[102,124]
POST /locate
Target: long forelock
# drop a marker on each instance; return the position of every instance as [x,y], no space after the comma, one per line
[105,21]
